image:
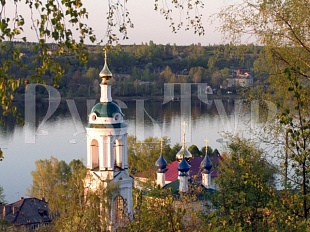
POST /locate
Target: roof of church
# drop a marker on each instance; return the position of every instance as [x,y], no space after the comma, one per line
[194,171]
[183,166]
[161,164]
[26,211]
[105,72]
[106,109]
[174,186]
[184,153]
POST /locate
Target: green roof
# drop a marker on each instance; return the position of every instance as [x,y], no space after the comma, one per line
[116,125]
[203,195]
[106,109]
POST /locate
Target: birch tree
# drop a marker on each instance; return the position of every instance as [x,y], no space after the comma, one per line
[284,30]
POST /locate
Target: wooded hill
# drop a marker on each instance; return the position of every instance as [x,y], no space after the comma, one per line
[140,70]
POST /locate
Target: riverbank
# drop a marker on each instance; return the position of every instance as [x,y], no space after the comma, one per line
[45,98]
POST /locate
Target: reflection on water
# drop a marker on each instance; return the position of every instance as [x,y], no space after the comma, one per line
[63,135]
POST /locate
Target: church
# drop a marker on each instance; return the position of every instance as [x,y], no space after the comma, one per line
[107,157]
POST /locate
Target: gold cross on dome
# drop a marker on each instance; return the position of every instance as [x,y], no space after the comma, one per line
[105,55]
[206,140]
[161,144]
[184,124]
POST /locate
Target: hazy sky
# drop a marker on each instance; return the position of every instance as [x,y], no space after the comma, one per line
[148,24]
[151,25]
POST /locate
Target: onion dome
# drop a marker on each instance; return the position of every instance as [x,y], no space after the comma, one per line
[161,164]
[106,114]
[105,72]
[206,164]
[183,166]
[184,152]
[107,109]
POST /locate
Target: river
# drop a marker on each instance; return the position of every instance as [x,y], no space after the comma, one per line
[61,133]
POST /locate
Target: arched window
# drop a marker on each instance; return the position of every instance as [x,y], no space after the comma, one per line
[118,154]
[94,154]
[118,209]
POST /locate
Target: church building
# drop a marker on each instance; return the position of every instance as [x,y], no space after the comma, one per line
[107,159]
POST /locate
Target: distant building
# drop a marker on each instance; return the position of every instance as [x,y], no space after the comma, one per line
[26,214]
[239,77]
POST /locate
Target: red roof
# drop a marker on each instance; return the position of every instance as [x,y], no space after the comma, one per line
[195,170]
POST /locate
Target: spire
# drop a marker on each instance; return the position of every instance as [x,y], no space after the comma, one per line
[184,124]
[183,168]
[161,164]
[105,72]
[105,85]
[206,165]
[161,145]
[184,152]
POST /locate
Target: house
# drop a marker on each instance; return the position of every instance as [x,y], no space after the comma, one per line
[26,213]
[240,77]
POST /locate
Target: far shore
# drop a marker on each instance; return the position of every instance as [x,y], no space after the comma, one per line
[44,98]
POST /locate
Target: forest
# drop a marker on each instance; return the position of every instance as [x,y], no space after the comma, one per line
[249,197]
[139,70]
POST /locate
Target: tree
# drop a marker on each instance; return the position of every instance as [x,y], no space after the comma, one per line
[245,184]
[49,23]
[218,77]
[142,155]
[174,150]
[2,196]
[296,124]
[283,31]
[58,182]
[197,74]
[71,206]
[61,31]
[211,152]
[1,155]
[87,212]
[194,150]
[167,74]
[159,209]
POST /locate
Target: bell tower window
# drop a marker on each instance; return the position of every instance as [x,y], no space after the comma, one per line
[119,209]
[95,154]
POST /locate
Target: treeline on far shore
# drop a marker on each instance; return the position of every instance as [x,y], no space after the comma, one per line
[142,70]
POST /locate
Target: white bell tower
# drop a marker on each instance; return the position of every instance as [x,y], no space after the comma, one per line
[107,159]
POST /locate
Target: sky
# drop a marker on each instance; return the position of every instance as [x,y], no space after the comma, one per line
[149,25]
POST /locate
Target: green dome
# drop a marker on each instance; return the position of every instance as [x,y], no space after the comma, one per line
[106,109]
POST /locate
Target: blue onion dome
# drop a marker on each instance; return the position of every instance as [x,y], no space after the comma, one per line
[183,166]
[184,153]
[206,164]
[161,164]
[107,109]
